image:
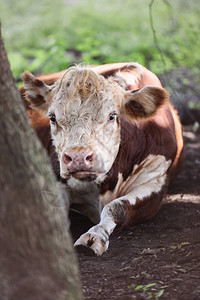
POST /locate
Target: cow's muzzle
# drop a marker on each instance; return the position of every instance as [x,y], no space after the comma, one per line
[79,163]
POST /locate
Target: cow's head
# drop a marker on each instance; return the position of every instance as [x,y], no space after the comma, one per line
[84,110]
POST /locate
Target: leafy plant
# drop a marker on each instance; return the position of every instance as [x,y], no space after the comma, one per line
[147,291]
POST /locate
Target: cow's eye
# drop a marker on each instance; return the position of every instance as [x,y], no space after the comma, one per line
[52,118]
[112,117]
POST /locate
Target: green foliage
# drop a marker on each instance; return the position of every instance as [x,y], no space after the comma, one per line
[38,33]
[147,291]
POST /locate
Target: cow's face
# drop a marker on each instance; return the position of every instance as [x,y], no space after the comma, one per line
[84,110]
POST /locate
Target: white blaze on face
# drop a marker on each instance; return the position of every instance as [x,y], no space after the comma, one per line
[86,117]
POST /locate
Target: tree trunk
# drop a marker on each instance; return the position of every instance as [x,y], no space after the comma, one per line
[37,260]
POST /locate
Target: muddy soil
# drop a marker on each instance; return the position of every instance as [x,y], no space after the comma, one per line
[159,259]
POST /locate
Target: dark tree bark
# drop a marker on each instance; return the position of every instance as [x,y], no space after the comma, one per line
[37,259]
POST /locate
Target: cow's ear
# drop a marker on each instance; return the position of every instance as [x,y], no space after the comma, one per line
[144,103]
[35,91]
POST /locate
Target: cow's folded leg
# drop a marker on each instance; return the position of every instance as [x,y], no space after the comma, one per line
[121,212]
[97,237]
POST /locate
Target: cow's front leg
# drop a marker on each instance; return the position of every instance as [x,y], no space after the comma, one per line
[121,212]
[97,237]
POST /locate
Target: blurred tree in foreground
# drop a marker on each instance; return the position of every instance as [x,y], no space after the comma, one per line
[37,260]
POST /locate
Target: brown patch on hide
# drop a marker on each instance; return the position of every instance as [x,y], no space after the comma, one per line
[36,101]
[142,211]
[38,121]
[153,136]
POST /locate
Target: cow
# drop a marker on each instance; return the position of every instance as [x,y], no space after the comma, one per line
[116,137]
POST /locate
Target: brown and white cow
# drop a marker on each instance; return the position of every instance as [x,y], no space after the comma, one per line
[117,137]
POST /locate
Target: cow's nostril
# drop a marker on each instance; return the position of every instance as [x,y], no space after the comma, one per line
[67,159]
[90,157]
[76,161]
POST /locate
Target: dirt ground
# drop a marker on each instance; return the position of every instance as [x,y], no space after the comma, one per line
[159,259]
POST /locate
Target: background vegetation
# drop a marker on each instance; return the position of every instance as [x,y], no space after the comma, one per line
[48,36]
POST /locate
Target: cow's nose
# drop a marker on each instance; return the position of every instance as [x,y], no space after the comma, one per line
[79,160]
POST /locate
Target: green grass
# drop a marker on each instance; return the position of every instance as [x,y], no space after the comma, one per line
[38,33]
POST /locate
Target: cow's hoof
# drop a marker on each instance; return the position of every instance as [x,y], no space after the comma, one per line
[85,250]
[91,244]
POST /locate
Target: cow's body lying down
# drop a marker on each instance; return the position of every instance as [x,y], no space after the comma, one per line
[117,138]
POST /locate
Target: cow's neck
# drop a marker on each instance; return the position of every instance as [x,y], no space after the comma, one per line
[131,152]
